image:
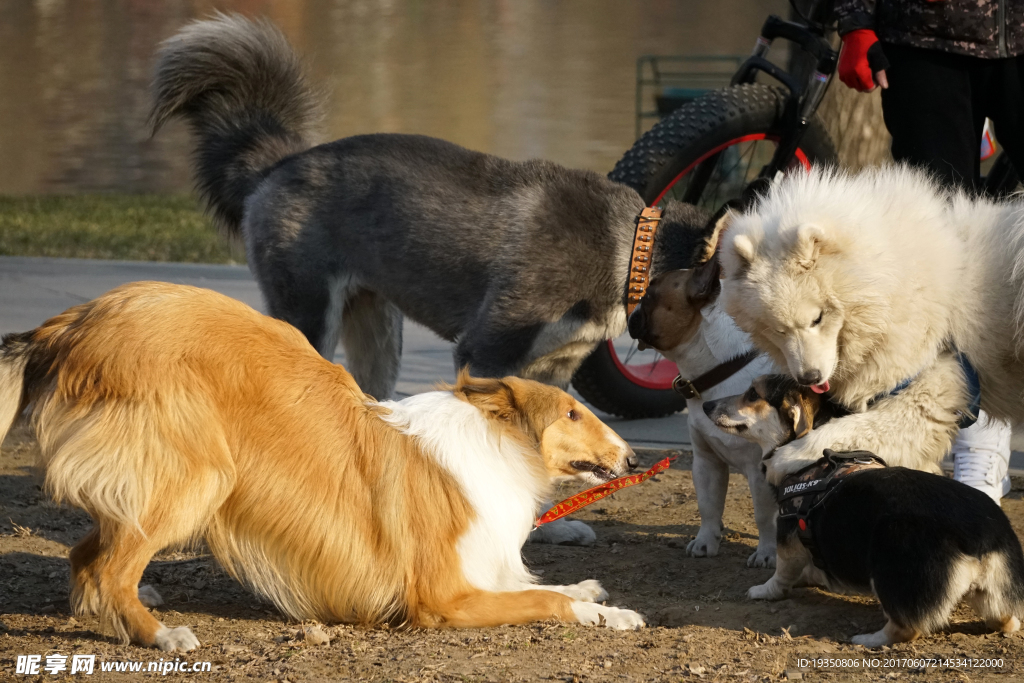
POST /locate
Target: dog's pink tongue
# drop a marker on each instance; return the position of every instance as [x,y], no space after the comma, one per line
[819,388]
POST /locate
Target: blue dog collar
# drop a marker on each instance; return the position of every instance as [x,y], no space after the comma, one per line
[892,392]
[974,391]
[968,417]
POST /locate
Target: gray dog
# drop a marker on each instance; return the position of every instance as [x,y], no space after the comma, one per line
[523,264]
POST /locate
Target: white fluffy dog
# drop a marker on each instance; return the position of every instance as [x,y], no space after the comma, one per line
[868,286]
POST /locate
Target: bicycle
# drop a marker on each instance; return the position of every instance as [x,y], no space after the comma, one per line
[709,151]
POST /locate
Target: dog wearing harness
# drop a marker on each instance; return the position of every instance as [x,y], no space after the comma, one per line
[803,494]
[918,541]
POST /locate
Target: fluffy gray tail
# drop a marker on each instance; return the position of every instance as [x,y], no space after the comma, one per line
[13,358]
[242,90]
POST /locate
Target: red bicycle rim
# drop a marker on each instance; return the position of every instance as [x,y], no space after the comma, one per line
[659,374]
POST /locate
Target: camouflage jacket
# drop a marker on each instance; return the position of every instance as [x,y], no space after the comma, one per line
[979,28]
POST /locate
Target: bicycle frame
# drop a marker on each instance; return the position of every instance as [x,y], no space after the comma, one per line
[802,102]
[804,98]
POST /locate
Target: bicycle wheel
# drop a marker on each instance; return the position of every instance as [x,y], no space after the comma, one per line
[704,153]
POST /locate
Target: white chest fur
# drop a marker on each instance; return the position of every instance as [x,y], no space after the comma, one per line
[494,475]
[717,341]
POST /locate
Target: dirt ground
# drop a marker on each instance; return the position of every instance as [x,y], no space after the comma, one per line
[701,626]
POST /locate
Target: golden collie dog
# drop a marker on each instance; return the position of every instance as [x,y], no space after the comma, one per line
[173,413]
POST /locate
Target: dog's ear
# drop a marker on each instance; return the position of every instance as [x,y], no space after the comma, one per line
[809,244]
[800,415]
[490,395]
[753,193]
[680,242]
[704,284]
[718,224]
[744,250]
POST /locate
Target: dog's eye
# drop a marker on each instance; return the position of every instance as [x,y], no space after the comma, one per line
[817,321]
[751,395]
[573,415]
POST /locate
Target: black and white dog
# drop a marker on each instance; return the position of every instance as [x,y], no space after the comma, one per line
[919,541]
[523,264]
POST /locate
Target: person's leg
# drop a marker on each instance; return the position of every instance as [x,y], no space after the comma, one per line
[981,453]
[935,109]
[929,112]
[1001,87]
[981,456]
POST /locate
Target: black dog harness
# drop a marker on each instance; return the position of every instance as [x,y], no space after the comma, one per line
[803,492]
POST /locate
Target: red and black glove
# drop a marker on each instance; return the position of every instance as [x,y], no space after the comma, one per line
[861,60]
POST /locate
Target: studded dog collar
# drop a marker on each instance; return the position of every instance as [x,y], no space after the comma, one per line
[640,257]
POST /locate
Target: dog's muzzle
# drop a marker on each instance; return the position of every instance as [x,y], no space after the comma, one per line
[602,473]
[637,326]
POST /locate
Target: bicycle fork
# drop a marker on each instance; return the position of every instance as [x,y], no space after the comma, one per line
[803,99]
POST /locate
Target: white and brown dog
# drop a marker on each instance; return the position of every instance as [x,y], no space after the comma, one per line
[681,317]
[171,413]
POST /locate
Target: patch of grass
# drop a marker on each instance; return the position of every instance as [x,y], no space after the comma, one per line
[122,227]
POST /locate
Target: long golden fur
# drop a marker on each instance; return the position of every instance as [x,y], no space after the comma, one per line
[173,413]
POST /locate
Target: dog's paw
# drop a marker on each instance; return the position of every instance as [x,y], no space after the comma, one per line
[149,597]
[766,591]
[703,546]
[623,619]
[876,639]
[812,576]
[563,532]
[587,591]
[592,614]
[1010,624]
[178,639]
[786,461]
[807,450]
[762,558]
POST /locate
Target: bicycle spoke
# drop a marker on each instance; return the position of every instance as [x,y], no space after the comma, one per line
[700,177]
[642,363]
[711,204]
[657,359]
[632,352]
[749,155]
[750,162]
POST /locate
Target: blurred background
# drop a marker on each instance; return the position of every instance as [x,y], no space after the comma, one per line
[517,78]
[81,176]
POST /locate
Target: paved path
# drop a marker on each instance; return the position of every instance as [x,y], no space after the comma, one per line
[33,289]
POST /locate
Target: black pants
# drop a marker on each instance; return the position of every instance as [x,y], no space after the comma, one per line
[936,104]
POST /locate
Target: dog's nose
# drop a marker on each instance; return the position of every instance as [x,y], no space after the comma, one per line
[637,323]
[709,407]
[810,377]
[631,460]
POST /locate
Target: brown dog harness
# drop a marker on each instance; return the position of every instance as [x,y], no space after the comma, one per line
[805,491]
[640,258]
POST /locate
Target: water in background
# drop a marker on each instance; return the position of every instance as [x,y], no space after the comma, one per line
[517,78]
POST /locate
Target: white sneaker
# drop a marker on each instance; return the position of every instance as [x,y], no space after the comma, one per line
[981,456]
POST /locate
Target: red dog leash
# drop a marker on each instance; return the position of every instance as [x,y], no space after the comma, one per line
[582,500]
